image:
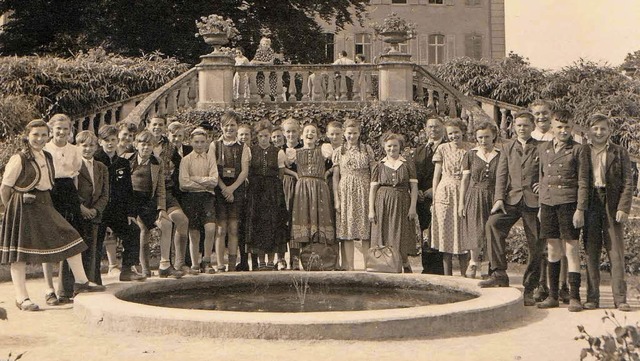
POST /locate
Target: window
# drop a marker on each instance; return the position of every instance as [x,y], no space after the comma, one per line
[398,1]
[435,47]
[473,46]
[439,2]
[363,45]
[329,52]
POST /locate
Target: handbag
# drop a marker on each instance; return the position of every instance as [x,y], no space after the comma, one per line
[383,259]
[318,254]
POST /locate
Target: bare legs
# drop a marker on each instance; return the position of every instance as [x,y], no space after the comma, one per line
[227,229]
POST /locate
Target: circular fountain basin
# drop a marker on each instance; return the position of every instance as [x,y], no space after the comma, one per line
[234,305]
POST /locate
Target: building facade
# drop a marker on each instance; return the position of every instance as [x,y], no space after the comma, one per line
[445,29]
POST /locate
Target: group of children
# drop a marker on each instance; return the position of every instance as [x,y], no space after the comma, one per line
[263,190]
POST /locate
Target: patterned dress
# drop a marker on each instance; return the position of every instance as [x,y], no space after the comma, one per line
[265,55]
[446,226]
[479,196]
[266,219]
[393,199]
[311,210]
[352,222]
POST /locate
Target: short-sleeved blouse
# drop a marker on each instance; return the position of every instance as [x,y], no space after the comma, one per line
[264,54]
[451,156]
[482,169]
[398,173]
[14,168]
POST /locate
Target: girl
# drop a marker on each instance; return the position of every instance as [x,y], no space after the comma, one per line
[266,215]
[393,195]
[126,132]
[291,130]
[446,228]
[479,167]
[311,212]
[30,220]
[277,137]
[233,167]
[351,178]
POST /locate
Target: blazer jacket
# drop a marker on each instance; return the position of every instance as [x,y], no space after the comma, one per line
[94,194]
[175,160]
[517,172]
[618,178]
[564,176]
[120,187]
[158,190]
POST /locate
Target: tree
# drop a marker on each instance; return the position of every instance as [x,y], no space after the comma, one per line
[129,27]
[632,64]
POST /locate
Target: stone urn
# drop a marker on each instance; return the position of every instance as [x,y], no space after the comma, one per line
[216,40]
[394,38]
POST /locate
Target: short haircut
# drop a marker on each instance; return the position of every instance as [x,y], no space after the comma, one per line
[334,124]
[434,116]
[107,131]
[145,136]
[458,123]
[595,118]
[561,116]
[157,117]
[86,136]
[175,127]
[245,126]
[541,102]
[526,115]
[290,121]
[352,123]
[361,57]
[276,128]
[484,125]
[310,125]
[263,125]
[58,118]
[36,123]
[343,53]
[392,136]
[230,116]
[128,126]
[198,131]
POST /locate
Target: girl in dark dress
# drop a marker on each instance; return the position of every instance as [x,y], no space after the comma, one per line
[266,215]
[393,195]
[291,131]
[32,230]
[479,167]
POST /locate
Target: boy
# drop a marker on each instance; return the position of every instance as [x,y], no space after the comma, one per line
[118,213]
[198,179]
[611,193]
[165,152]
[244,134]
[149,194]
[564,182]
[93,190]
[541,110]
[126,132]
[516,197]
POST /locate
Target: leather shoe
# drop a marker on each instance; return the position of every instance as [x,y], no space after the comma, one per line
[495,280]
[549,302]
[541,293]
[528,298]
[169,272]
[127,275]
[87,287]
[27,305]
[590,305]
[563,294]
[51,299]
[64,300]
[575,305]
[624,307]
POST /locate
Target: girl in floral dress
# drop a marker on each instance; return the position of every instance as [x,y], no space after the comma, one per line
[446,226]
[311,212]
[479,167]
[265,56]
[351,178]
[393,195]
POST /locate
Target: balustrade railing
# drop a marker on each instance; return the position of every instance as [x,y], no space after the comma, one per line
[111,113]
[305,83]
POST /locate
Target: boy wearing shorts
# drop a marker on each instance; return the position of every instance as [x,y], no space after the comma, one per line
[564,187]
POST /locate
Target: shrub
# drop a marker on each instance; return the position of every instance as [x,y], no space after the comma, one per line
[88,80]
[15,112]
[377,118]
[623,344]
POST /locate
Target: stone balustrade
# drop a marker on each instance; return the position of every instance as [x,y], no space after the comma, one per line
[111,113]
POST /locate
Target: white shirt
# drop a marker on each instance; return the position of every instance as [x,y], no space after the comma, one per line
[14,168]
[196,169]
[67,160]
[544,137]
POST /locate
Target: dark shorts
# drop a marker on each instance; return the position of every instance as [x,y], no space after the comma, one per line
[172,202]
[556,222]
[226,211]
[200,208]
[145,207]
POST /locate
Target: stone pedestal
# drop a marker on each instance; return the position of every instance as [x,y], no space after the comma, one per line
[215,80]
[396,77]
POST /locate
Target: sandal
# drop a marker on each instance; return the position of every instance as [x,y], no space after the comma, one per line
[27,305]
[51,299]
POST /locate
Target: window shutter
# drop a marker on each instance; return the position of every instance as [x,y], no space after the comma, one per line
[450,47]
